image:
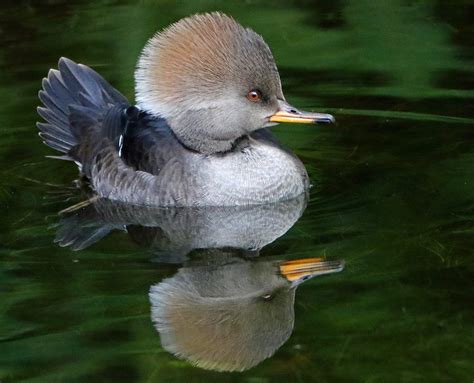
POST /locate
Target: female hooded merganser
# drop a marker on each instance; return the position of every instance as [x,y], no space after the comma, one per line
[206,88]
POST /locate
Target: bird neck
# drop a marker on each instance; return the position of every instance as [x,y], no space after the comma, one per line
[203,144]
[204,132]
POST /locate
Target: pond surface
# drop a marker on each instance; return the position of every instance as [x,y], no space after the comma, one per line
[393,200]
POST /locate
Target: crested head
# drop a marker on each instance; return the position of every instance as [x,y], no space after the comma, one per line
[193,62]
[200,71]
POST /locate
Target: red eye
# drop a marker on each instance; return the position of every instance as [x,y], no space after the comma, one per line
[254,95]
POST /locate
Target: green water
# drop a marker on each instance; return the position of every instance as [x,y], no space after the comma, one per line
[393,196]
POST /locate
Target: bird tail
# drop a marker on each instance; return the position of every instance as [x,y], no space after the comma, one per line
[75,99]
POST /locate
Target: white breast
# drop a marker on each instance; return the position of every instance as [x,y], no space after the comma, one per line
[260,173]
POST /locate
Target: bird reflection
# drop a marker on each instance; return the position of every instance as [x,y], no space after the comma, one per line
[224,309]
[230,314]
[172,233]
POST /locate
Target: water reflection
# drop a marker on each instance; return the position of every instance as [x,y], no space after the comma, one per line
[225,308]
[230,313]
[172,233]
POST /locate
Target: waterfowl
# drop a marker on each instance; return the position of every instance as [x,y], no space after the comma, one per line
[207,89]
[227,313]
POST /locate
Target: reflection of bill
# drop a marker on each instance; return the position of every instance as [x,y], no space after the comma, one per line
[230,314]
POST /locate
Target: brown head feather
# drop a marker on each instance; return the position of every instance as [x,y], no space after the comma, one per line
[200,59]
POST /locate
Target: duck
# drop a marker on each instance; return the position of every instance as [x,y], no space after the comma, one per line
[228,313]
[207,91]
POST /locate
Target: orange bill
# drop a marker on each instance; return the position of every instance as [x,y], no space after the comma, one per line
[288,113]
[299,270]
[301,117]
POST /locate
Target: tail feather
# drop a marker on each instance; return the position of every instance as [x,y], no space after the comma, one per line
[53,117]
[74,75]
[54,143]
[109,93]
[53,106]
[74,99]
[54,86]
[55,138]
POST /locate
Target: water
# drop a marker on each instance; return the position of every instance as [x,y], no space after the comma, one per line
[393,198]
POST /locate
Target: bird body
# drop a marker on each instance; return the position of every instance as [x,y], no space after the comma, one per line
[257,170]
[199,135]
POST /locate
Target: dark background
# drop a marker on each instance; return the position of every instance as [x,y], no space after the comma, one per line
[393,195]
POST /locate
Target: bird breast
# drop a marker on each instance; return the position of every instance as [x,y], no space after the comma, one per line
[258,173]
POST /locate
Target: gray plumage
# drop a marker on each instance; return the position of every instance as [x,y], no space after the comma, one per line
[172,233]
[196,138]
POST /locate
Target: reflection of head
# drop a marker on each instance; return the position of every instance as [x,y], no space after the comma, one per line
[229,317]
